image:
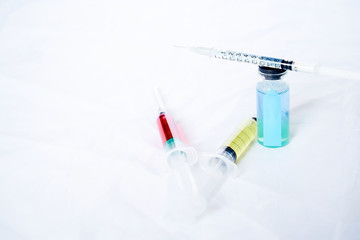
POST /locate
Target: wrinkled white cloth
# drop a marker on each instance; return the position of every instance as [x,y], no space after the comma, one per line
[77,117]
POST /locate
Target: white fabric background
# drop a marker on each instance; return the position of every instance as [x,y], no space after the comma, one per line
[77,117]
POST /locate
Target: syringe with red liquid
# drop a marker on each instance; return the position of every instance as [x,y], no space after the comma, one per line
[179,158]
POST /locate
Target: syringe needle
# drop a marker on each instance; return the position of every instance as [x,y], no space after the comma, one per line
[159,100]
[210,52]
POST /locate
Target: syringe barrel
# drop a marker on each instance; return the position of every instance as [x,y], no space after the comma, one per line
[254,59]
[169,134]
[238,142]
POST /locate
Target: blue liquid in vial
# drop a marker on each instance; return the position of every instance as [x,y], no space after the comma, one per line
[284,102]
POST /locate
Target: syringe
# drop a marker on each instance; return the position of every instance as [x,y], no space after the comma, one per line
[172,143]
[225,161]
[273,62]
[179,158]
[234,147]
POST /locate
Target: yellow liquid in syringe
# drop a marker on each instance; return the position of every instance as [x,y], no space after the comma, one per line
[238,142]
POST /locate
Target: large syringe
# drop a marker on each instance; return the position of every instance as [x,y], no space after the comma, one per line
[273,62]
[188,203]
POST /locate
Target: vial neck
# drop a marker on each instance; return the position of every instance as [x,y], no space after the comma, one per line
[272,78]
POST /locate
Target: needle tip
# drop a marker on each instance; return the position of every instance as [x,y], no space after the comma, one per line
[210,52]
[159,99]
[177,46]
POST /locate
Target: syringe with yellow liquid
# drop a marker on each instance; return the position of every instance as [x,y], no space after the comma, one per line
[234,147]
[226,159]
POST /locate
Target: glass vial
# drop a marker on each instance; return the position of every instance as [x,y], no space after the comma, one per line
[272,108]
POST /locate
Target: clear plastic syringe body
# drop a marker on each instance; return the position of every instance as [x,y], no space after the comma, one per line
[186,201]
[225,160]
[224,163]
